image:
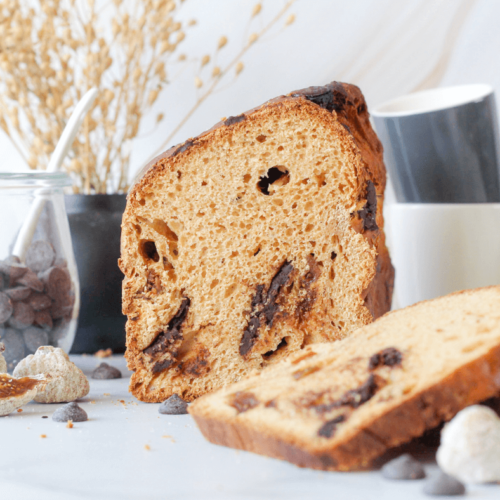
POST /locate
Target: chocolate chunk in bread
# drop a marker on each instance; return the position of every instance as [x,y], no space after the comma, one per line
[384,385]
[270,227]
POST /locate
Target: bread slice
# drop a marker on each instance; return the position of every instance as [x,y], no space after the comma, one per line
[245,244]
[338,406]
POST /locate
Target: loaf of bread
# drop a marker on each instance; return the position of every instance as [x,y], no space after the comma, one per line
[261,236]
[339,405]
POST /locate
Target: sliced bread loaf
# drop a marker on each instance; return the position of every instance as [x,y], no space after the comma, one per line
[338,406]
[245,244]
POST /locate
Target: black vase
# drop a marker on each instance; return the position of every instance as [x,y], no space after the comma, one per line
[95,221]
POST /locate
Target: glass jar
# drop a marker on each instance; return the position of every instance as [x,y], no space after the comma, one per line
[39,289]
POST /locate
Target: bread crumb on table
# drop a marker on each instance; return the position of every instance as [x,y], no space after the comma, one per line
[147,447]
[103,353]
[69,425]
[43,435]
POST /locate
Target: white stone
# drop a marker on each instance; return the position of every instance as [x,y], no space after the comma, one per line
[470,446]
[67,382]
[10,403]
[3,363]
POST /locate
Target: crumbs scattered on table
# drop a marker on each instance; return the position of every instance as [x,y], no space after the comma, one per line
[103,353]
[69,425]
[43,436]
[106,394]
[19,410]
[166,436]
[147,447]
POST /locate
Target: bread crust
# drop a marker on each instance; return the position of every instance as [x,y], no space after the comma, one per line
[349,116]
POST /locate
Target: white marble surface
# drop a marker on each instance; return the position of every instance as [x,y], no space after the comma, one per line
[106,458]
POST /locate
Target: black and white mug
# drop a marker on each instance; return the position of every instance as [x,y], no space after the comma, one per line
[442,145]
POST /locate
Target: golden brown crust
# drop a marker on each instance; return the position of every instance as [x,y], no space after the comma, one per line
[470,384]
[348,110]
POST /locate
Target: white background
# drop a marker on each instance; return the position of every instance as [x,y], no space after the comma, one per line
[387,47]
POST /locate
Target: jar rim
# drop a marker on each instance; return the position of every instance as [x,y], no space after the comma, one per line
[34,179]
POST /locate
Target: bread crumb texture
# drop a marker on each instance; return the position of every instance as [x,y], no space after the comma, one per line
[340,405]
[246,244]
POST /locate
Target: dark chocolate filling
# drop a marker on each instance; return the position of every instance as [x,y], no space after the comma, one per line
[234,119]
[244,401]
[165,342]
[264,307]
[328,428]
[387,357]
[353,398]
[330,97]
[183,147]
[369,211]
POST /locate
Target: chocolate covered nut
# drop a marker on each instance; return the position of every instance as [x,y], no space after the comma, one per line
[70,411]
[444,485]
[404,467]
[30,279]
[40,256]
[105,372]
[6,307]
[14,347]
[18,293]
[174,405]
[57,282]
[44,320]
[22,316]
[34,338]
[39,301]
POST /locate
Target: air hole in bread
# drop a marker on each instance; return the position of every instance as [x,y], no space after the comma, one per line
[147,249]
[169,268]
[321,179]
[277,175]
[309,227]
[261,138]
[214,284]
[230,290]
[280,148]
[282,345]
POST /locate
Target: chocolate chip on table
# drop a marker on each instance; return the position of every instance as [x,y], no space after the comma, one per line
[39,301]
[22,316]
[40,256]
[34,338]
[44,320]
[6,307]
[18,293]
[14,347]
[444,485]
[106,372]
[405,467]
[30,279]
[174,405]
[70,411]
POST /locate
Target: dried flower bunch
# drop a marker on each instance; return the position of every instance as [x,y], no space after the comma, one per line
[53,51]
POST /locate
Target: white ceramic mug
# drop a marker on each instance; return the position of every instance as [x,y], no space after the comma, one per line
[437,249]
